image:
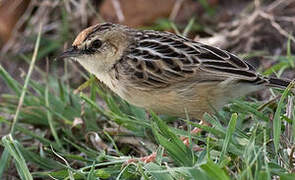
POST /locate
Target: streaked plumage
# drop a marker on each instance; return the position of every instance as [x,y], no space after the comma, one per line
[167,73]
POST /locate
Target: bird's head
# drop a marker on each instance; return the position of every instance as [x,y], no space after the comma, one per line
[99,47]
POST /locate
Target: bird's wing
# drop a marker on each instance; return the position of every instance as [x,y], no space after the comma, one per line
[161,59]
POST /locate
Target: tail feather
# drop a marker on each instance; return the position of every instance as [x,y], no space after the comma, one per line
[279,83]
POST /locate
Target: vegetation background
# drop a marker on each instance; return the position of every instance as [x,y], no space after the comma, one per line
[58,122]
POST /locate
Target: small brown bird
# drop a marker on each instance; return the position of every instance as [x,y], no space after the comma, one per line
[164,72]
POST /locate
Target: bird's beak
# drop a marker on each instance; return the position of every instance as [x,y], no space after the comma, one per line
[70,53]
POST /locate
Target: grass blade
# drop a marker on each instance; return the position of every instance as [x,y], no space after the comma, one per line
[12,83]
[49,115]
[3,161]
[188,27]
[277,118]
[12,147]
[10,144]
[171,142]
[214,171]
[289,54]
[24,90]
[265,155]
[229,132]
[157,172]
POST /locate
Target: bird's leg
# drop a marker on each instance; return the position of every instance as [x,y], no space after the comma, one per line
[196,130]
[150,158]
[145,159]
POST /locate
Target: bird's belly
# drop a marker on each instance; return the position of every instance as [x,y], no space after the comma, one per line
[193,101]
[181,99]
[167,103]
[171,102]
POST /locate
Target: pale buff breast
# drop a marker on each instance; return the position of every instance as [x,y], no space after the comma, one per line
[171,102]
[193,98]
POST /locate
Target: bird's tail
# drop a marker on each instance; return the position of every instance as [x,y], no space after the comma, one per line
[280,83]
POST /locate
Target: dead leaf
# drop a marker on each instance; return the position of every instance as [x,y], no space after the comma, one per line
[136,13]
[96,141]
[10,13]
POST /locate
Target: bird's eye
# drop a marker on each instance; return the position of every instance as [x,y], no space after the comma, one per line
[96,44]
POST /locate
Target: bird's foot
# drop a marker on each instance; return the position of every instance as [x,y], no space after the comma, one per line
[185,140]
[145,159]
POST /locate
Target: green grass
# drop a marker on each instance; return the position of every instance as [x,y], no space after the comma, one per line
[62,133]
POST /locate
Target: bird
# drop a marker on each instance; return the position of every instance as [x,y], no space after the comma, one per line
[164,72]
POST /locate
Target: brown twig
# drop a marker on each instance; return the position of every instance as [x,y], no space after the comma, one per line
[276,25]
[119,12]
[175,10]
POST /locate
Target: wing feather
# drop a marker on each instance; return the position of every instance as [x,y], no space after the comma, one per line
[159,59]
